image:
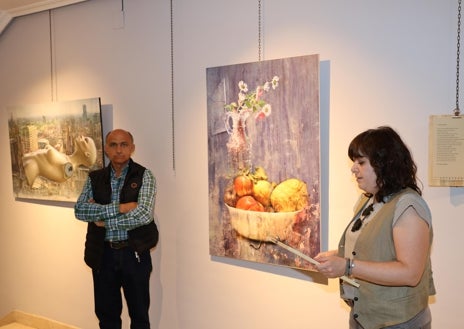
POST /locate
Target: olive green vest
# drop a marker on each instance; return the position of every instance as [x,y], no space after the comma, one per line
[378,306]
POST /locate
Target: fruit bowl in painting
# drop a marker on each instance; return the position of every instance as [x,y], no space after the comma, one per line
[259,225]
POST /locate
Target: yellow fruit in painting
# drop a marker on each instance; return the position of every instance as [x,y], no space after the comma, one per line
[290,195]
[262,192]
[259,174]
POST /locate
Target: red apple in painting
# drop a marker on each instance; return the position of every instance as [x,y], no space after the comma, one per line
[247,202]
[243,185]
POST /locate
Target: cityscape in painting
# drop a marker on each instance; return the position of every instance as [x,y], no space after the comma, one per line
[53,147]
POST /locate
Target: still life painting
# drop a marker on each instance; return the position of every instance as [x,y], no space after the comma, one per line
[53,147]
[264,160]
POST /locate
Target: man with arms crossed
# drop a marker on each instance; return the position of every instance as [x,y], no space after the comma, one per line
[118,203]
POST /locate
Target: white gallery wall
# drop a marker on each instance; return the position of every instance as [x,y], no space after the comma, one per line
[388,63]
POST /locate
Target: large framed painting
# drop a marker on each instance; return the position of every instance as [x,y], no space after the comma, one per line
[53,146]
[264,160]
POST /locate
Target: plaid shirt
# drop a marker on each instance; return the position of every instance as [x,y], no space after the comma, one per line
[116,223]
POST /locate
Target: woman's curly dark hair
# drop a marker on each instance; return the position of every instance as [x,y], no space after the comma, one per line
[390,158]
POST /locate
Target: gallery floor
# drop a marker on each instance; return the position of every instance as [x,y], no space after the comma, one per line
[16,326]
[21,320]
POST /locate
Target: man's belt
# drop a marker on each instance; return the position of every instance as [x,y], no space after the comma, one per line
[118,244]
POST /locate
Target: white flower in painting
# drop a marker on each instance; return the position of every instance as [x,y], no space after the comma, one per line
[243,87]
[264,112]
[267,86]
[253,102]
[275,82]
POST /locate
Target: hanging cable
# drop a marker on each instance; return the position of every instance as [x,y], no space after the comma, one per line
[52,60]
[172,92]
[259,30]
[457,111]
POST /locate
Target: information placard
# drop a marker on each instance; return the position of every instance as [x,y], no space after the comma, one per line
[446,150]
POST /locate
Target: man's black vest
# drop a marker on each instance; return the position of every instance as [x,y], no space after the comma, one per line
[141,238]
